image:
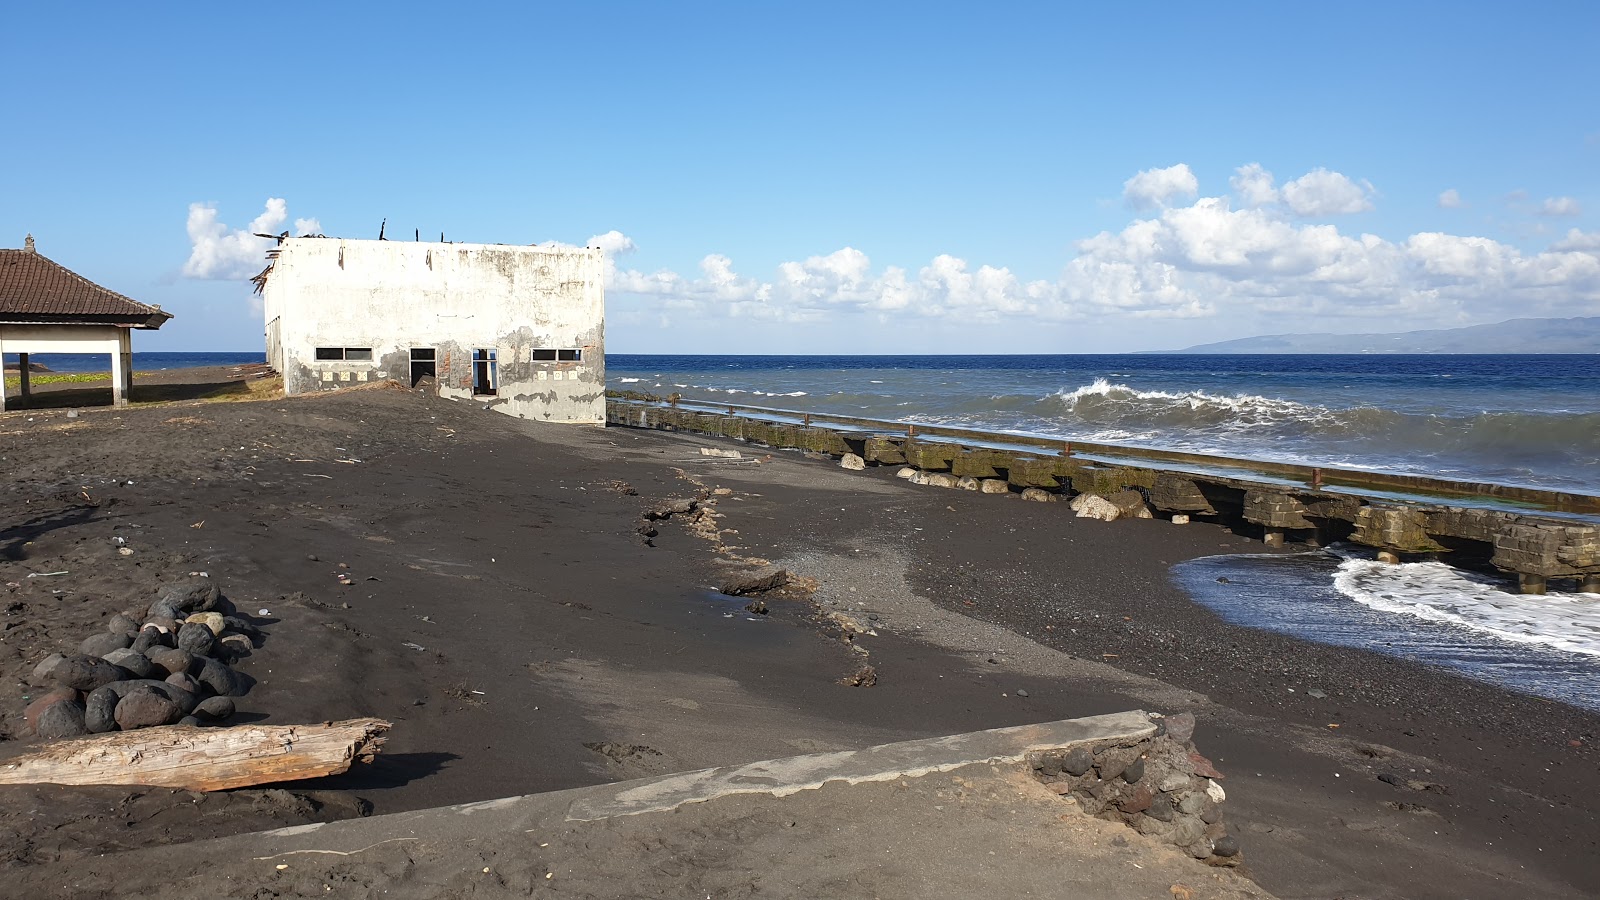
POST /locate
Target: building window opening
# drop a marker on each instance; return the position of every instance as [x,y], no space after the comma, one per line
[557,355]
[484,376]
[422,365]
[354,354]
[569,355]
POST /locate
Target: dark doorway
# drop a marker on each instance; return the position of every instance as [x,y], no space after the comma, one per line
[422,365]
[484,377]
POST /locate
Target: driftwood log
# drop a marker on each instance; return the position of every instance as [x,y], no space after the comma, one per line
[201,759]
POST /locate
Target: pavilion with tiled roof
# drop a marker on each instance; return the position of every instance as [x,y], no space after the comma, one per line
[47,308]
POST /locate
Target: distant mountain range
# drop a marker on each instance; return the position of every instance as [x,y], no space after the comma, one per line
[1515,336]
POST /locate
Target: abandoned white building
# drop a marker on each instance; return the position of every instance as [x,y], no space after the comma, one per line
[520,329]
[47,308]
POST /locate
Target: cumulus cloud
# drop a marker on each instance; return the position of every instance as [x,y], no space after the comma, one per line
[1254,185]
[1154,187]
[1451,199]
[1324,193]
[1560,206]
[613,242]
[1216,256]
[219,252]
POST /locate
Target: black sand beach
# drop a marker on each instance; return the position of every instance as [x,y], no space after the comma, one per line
[507,612]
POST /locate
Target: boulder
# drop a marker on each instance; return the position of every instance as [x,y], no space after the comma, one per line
[40,704]
[995,486]
[215,708]
[1038,495]
[150,638]
[102,705]
[104,642]
[1131,504]
[85,673]
[236,625]
[906,472]
[220,679]
[61,720]
[196,638]
[235,646]
[1094,506]
[940,479]
[199,595]
[211,620]
[967,483]
[137,664]
[43,672]
[121,623]
[1180,519]
[163,624]
[852,462]
[171,659]
[146,708]
[183,682]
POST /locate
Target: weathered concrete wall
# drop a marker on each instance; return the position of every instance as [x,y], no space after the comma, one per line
[393,296]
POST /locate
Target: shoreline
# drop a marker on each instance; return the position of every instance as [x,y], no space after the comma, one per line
[507,550]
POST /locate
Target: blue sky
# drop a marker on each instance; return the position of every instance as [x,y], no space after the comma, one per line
[855,178]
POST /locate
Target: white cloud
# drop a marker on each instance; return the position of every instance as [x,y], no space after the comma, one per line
[219,252]
[1560,206]
[1324,193]
[1207,258]
[613,242]
[1451,199]
[303,227]
[1154,187]
[1254,185]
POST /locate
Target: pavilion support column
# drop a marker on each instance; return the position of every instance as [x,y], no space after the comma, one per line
[26,382]
[2,385]
[119,378]
[125,337]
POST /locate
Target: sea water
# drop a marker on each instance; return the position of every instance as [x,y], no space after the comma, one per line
[142,362]
[1519,420]
[1475,625]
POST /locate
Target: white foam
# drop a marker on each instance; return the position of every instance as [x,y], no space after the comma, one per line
[629,380]
[1438,593]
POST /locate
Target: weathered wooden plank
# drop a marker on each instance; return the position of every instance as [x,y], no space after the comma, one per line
[201,759]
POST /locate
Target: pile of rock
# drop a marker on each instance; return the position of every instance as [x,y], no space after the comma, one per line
[175,667]
[1160,786]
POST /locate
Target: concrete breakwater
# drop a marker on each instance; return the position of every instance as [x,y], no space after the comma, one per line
[1537,535]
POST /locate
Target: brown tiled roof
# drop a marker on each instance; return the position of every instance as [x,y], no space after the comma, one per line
[34,288]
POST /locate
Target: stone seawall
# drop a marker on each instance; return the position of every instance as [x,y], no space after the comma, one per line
[1400,516]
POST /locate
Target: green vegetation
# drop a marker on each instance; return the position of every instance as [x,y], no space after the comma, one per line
[15,381]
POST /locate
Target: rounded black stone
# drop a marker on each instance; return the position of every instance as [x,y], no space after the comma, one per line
[215,707]
[1227,845]
[1077,761]
[196,638]
[104,642]
[1134,771]
[85,673]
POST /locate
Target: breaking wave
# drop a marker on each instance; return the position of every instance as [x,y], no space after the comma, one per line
[1438,593]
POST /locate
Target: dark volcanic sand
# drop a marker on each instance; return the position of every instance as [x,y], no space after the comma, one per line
[508,551]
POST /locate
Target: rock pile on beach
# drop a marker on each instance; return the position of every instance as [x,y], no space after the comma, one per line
[1161,787]
[169,663]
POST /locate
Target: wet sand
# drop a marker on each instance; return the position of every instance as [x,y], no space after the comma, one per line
[559,647]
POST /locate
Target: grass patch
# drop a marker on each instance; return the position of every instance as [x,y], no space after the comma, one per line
[15,381]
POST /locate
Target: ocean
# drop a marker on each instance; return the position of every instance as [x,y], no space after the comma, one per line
[1518,420]
[1521,420]
[142,362]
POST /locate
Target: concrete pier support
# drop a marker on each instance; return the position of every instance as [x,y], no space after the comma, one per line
[1589,584]
[1273,538]
[1531,584]
[25,378]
